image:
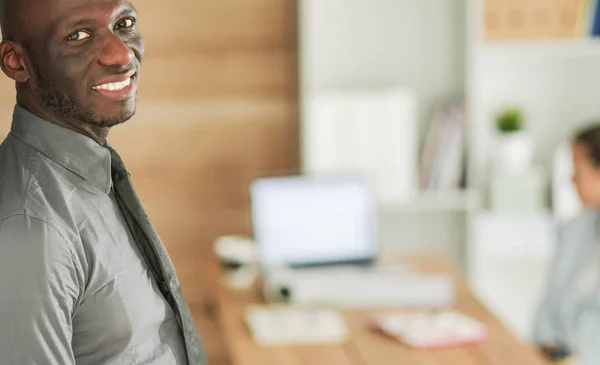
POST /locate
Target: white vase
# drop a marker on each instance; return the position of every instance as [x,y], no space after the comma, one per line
[514,151]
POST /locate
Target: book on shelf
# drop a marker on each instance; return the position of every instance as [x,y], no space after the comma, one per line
[442,161]
[593,16]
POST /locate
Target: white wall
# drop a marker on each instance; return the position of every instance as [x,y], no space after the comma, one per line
[554,81]
[558,90]
[382,44]
[418,44]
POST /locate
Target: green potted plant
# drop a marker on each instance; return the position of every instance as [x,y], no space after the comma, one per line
[510,120]
[515,146]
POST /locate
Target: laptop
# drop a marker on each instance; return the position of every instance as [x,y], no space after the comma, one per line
[317,239]
[314,221]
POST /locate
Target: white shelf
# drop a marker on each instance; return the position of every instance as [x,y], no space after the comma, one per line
[509,256]
[566,48]
[512,236]
[452,201]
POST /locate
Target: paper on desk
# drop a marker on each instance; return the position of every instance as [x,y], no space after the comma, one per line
[432,330]
[286,325]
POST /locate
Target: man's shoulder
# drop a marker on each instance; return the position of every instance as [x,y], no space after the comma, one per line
[29,184]
[14,159]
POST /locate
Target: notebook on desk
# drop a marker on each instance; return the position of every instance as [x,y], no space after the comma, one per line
[288,326]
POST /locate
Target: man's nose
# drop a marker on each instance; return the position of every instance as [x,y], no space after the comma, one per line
[115,52]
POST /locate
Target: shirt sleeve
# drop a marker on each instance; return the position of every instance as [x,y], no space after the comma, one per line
[587,349]
[573,241]
[39,287]
[545,331]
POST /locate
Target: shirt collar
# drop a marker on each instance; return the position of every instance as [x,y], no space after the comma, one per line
[73,151]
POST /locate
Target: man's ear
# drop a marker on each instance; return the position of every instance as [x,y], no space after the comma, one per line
[12,61]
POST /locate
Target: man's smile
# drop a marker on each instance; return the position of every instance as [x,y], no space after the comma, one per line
[113,86]
[117,88]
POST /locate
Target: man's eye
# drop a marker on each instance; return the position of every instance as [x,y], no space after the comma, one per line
[78,36]
[126,23]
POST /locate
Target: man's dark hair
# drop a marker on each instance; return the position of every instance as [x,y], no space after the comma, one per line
[589,138]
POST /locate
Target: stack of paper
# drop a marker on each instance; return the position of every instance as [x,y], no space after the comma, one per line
[432,330]
[284,325]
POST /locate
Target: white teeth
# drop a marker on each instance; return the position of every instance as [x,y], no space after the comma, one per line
[114,86]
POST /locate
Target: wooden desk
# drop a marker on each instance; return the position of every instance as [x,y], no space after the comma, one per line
[368,348]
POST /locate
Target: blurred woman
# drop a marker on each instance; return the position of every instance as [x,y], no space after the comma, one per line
[568,320]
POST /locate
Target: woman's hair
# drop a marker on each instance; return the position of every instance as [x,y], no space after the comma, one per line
[589,138]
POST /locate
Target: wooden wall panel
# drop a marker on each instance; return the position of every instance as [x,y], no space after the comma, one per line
[205,24]
[213,74]
[217,108]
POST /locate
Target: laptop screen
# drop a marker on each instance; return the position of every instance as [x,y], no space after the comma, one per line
[314,220]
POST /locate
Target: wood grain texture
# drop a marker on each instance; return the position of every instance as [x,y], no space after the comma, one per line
[217,107]
[367,347]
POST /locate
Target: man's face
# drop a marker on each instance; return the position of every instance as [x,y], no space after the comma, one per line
[85,65]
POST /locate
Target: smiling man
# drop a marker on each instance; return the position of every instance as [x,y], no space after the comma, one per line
[84,278]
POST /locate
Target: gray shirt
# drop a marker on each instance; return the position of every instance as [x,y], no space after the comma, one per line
[569,314]
[81,279]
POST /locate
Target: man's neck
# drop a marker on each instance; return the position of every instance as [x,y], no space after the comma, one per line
[96,133]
